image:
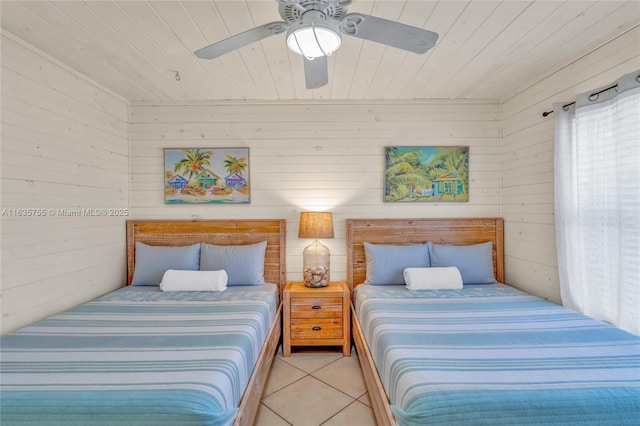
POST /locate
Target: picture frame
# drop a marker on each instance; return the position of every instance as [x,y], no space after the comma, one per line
[206,176]
[426,174]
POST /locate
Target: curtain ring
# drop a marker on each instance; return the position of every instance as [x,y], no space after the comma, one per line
[638,78]
[594,97]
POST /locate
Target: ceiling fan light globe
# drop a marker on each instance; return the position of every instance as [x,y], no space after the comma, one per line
[313,42]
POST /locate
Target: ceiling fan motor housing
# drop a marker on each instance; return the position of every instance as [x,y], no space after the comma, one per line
[292,11]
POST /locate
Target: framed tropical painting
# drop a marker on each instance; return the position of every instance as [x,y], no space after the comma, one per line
[426,173]
[206,175]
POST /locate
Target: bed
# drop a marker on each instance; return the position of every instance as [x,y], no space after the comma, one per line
[139,355]
[482,354]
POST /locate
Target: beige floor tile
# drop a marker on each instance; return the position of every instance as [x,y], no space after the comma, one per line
[345,375]
[365,399]
[307,402]
[266,417]
[281,375]
[312,361]
[356,414]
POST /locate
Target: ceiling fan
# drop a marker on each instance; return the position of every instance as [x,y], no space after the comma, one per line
[314,29]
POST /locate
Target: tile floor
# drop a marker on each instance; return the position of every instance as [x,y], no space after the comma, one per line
[315,388]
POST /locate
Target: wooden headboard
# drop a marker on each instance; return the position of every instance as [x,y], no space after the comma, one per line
[415,231]
[220,232]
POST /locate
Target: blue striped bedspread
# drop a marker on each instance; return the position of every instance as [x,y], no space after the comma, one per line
[493,355]
[137,356]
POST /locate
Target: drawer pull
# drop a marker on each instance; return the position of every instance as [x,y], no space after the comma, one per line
[316,307]
[316,328]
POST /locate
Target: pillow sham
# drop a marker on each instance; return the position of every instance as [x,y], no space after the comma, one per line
[386,263]
[475,261]
[244,264]
[153,261]
[174,280]
[447,278]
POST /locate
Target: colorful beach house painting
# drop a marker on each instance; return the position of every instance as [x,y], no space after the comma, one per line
[193,175]
[426,174]
[235,181]
[447,184]
[177,182]
[208,179]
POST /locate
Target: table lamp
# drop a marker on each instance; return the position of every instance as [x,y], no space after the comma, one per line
[315,256]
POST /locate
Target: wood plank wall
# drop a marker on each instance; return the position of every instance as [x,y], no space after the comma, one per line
[64,147]
[527,160]
[73,136]
[315,156]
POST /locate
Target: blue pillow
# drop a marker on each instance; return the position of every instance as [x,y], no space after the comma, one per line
[153,261]
[244,264]
[386,263]
[475,261]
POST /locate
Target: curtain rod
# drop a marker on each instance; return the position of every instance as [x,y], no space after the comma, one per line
[592,97]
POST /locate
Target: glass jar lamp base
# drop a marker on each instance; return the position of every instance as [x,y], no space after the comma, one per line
[316,265]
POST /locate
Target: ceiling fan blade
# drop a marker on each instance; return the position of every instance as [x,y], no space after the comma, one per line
[316,72]
[387,32]
[240,40]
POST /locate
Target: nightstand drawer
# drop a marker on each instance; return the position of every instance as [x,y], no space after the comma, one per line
[302,329]
[316,307]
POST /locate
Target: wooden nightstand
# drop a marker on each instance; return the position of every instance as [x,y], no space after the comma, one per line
[317,316]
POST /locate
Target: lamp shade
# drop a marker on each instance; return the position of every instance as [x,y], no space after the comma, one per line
[316,225]
[313,42]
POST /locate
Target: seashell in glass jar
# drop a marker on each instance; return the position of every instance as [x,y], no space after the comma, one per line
[316,276]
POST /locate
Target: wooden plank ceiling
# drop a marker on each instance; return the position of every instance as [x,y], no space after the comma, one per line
[486,50]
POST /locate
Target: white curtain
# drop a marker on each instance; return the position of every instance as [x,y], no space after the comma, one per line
[597,203]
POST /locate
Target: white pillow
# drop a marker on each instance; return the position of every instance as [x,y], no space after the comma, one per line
[447,278]
[175,280]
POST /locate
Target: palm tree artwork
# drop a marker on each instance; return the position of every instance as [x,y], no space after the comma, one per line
[235,165]
[193,163]
[196,175]
[431,174]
